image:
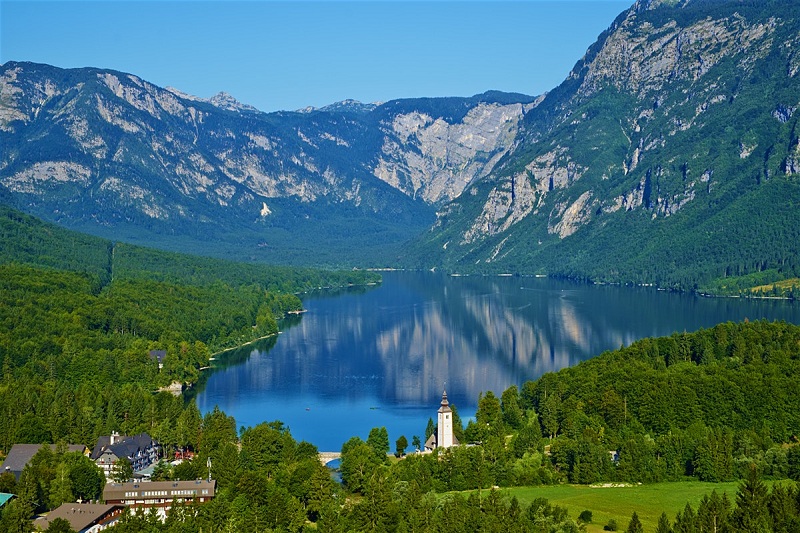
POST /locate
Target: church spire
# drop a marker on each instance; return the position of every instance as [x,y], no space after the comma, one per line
[444,433]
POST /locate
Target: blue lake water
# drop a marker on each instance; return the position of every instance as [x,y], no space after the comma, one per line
[369,357]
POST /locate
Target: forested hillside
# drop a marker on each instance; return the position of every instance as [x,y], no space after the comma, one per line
[718,404]
[80,316]
[668,156]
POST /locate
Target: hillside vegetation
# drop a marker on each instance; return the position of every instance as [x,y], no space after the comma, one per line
[669,156]
[81,315]
[715,405]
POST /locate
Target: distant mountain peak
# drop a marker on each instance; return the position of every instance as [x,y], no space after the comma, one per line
[345,106]
[645,5]
[222,100]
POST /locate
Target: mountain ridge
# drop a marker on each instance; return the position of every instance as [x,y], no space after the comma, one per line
[678,116]
[668,156]
[117,155]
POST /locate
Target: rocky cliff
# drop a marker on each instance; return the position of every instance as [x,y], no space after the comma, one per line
[95,148]
[668,156]
[650,156]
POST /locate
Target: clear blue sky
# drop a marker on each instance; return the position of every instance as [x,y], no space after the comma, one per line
[288,55]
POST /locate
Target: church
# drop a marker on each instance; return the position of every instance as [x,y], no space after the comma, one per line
[443,436]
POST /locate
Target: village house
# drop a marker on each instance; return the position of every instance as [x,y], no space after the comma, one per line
[82,517]
[158,355]
[141,450]
[21,454]
[159,494]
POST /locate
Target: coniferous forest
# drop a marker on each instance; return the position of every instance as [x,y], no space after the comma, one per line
[80,316]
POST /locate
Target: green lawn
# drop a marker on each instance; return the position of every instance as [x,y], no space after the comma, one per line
[619,503]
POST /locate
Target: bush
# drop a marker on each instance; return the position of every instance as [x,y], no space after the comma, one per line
[585,516]
[611,526]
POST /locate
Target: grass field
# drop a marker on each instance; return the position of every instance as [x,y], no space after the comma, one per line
[619,503]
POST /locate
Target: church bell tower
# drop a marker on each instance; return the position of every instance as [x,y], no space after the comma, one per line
[445,427]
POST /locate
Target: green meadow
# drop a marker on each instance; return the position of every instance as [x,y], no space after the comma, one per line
[619,502]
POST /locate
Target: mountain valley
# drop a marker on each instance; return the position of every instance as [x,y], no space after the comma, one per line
[669,156]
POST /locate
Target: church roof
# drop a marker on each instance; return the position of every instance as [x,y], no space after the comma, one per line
[445,407]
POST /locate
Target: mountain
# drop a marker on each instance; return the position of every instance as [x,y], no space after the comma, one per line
[669,155]
[111,154]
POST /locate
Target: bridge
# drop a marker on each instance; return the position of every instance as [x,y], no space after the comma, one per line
[327,457]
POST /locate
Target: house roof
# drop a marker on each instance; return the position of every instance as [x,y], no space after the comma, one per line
[124,447]
[102,443]
[79,515]
[4,497]
[21,454]
[158,355]
[172,489]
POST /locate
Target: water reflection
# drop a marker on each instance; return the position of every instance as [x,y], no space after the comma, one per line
[363,358]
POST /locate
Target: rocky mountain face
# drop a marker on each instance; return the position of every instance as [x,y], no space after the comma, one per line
[669,155]
[93,148]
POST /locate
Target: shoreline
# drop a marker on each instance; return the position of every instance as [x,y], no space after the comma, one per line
[237,347]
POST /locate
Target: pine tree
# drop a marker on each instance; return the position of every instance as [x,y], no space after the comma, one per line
[713,514]
[751,514]
[378,440]
[61,487]
[430,429]
[686,522]
[663,524]
[400,446]
[635,526]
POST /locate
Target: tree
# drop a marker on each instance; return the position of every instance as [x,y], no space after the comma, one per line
[686,522]
[321,489]
[217,429]
[793,460]
[635,526]
[122,470]
[751,513]
[458,425]
[8,482]
[713,513]
[162,471]
[663,524]
[550,415]
[61,487]
[509,403]
[16,516]
[489,414]
[86,478]
[358,462]
[378,440]
[415,442]
[400,446]
[430,429]
[188,427]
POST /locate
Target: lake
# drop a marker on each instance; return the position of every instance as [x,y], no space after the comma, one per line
[369,357]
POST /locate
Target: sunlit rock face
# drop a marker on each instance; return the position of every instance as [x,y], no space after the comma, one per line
[676,111]
[433,160]
[108,148]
